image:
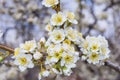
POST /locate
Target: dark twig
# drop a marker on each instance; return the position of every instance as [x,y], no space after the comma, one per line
[57,7]
[91,26]
[5,33]
[113,66]
[111,5]
[80,15]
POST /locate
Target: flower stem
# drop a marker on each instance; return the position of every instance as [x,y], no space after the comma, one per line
[57,7]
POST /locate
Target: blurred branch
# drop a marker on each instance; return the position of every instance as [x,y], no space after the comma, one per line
[6,48]
[113,66]
[91,26]
[112,4]
[5,33]
[80,15]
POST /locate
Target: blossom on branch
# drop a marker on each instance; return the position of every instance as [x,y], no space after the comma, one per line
[71,17]
[29,46]
[59,53]
[24,61]
[26,55]
[58,19]
[95,49]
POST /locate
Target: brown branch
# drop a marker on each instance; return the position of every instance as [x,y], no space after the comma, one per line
[57,7]
[6,48]
[111,5]
[80,15]
[112,66]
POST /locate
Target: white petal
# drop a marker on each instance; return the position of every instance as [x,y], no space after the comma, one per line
[22,68]
[39,77]
[30,65]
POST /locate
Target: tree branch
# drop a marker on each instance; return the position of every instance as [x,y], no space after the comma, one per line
[91,26]
[6,48]
[57,7]
[113,66]
[111,5]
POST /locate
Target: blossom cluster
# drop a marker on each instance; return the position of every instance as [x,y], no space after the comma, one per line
[59,53]
[28,54]
[61,44]
[95,49]
[62,55]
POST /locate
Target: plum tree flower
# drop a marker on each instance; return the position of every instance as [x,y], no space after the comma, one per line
[50,3]
[24,61]
[29,46]
[74,35]
[37,55]
[26,54]
[48,27]
[69,60]
[95,49]
[43,73]
[62,57]
[16,51]
[57,36]
[67,71]
[58,19]
[71,17]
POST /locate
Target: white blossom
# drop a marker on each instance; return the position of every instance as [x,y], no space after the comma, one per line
[28,46]
[57,36]
[58,19]
[37,55]
[44,73]
[71,17]
[24,61]
[50,3]
[95,49]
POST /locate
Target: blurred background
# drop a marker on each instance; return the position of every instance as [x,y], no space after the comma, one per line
[22,20]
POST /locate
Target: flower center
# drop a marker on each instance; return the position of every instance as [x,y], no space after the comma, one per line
[95,47]
[23,61]
[58,19]
[58,55]
[68,59]
[94,56]
[58,37]
[50,2]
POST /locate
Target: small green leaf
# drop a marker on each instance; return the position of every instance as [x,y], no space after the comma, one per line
[1,58]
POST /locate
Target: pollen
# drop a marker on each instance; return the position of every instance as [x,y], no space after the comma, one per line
[23,61]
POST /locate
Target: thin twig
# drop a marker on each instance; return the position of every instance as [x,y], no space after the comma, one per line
[57,7]
[6,48]
[91,26]
[112,66]
[111,5]
[80,15]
